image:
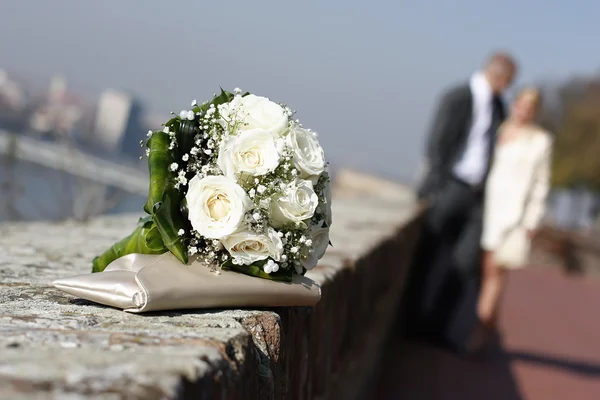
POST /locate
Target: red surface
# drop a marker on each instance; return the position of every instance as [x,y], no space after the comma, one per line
[550,349]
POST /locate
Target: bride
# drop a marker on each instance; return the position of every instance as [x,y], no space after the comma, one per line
[514,203]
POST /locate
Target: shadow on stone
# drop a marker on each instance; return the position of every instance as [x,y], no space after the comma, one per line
[84,302]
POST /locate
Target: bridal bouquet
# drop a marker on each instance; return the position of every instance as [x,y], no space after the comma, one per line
[238,184]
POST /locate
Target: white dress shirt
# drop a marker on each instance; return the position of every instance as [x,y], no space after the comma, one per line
[472,165]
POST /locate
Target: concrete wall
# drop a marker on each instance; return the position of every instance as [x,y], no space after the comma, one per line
[53,344]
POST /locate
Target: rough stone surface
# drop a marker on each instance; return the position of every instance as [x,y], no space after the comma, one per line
[54,345]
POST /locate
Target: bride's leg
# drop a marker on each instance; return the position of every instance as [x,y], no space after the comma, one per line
[496,311]
[492,286]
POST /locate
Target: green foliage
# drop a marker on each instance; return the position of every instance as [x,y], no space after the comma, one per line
[169,220]
[145,239]
[159,160]
[576,160]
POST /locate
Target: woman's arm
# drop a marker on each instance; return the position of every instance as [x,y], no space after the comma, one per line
[535,205]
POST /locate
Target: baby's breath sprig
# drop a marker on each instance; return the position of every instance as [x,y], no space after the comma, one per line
[209,251]
[257,220]
[295,244]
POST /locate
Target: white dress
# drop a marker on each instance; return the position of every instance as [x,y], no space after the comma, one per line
[517,186]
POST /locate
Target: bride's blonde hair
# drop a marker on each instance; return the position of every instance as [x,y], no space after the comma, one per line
[531,93]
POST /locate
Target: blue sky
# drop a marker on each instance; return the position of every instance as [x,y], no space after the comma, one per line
[365,75]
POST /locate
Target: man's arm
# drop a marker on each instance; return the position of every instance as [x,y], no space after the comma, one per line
[443,130]
[443,133]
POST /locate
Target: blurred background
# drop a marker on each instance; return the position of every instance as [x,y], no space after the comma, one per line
[88,79]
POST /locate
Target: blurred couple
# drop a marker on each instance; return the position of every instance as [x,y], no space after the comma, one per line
[486,184]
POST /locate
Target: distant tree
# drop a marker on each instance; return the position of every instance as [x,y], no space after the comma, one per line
[575,122]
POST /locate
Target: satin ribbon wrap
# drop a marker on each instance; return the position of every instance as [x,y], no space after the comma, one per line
[141,282]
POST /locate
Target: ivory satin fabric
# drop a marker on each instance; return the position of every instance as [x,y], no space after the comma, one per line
[140,283]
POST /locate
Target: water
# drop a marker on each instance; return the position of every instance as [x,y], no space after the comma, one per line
[29,192]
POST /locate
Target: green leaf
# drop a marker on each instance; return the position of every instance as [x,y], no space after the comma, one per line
[159,160]
[158,232]
[283,275]
[186,134]
[145,219]
[183,208]
[224,97]
[173,122]
[221,98]
[169,220]
[145,239]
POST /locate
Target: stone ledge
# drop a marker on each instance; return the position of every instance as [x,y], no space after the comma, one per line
[51,343]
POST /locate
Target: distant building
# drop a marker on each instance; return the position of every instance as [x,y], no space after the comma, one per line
[118,125]
[58,112]
[12,95]
[136,130]
[13,104]
[112,118]
[58,88]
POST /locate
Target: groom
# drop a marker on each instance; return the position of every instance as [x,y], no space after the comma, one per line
[443,287]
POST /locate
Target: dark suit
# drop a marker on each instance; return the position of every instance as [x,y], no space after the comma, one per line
[444,283]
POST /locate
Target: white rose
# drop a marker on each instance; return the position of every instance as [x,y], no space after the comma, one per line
[248,247]
[254,153]
[216,205]
[320,241]
[297,203]
[308,155]
[262,113]
[228,112]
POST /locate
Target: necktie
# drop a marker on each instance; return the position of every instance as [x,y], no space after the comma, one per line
[497,118]
[491,133]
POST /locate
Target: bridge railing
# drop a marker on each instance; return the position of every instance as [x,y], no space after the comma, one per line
[62,157]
